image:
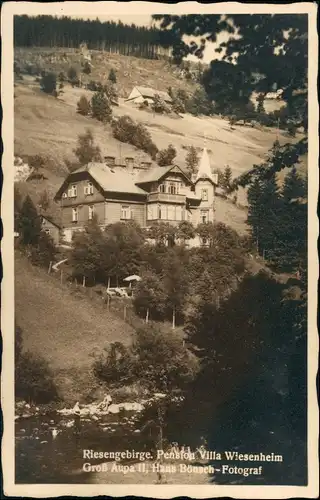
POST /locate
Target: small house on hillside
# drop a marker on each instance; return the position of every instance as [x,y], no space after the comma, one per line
[51,227]
[139,95]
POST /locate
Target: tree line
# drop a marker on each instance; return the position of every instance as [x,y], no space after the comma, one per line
[114,37]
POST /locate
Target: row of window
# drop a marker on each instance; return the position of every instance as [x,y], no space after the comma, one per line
[170,188]
[164,212]
[75,213]
[125,214]
[73,191]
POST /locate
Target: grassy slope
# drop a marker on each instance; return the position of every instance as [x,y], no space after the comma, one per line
[48,126]
[64,329]
[130,70]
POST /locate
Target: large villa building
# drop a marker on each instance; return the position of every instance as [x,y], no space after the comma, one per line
[114,193]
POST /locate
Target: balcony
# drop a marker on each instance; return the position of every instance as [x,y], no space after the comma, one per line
[166,198]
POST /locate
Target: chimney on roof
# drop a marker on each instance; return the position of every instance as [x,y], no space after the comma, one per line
[129,162]
[110,160]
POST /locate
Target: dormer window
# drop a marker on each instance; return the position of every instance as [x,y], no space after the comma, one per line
[172,188]
[162,188]
[88,189]
[72,192]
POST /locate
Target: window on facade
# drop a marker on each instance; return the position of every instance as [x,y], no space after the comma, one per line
[160,212]
[162,188]
[171,212]
[88,189]
[204,194]
[74,215]
[172,188]
[72,192]
[47,230]
[178,213]
[91,212]
[204,216]
[125,212]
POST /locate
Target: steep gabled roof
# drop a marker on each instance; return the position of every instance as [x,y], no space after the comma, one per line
[115,180]
[204,170]
[156,173]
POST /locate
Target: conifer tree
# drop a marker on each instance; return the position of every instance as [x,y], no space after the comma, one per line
[100,106]
[87,151]
[29,223]
[192,159]
[255,212]
[87,68]
[271,226]
[166,156]
[260,106]
[48,83]
[83,106]
[227,178]
[73,76]
[294,186]
[112,76]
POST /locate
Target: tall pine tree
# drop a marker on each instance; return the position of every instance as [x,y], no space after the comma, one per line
[29,223]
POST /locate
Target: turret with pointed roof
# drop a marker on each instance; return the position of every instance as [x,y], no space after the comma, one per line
[204,170]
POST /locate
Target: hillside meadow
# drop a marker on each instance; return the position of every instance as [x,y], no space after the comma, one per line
[64,328]
[50,126]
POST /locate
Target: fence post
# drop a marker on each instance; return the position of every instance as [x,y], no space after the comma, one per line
[50,266]
[61,276]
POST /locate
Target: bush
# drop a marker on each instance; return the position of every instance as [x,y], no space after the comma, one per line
[158,105]
[48,83]
[34,380]
[94,86]
[100,107]
[111,93]
[86,151]
[126,130]
[166,156]
[115,365]
[44,252]
[83,106]
[73,77]
[157,360]
[86,68]
[112,76]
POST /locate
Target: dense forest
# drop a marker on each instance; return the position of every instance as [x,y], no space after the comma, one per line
[115,37]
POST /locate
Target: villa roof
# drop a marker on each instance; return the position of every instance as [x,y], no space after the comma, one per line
[156,173]
[116,180]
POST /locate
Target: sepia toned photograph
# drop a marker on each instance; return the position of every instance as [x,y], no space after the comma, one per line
[161,175]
